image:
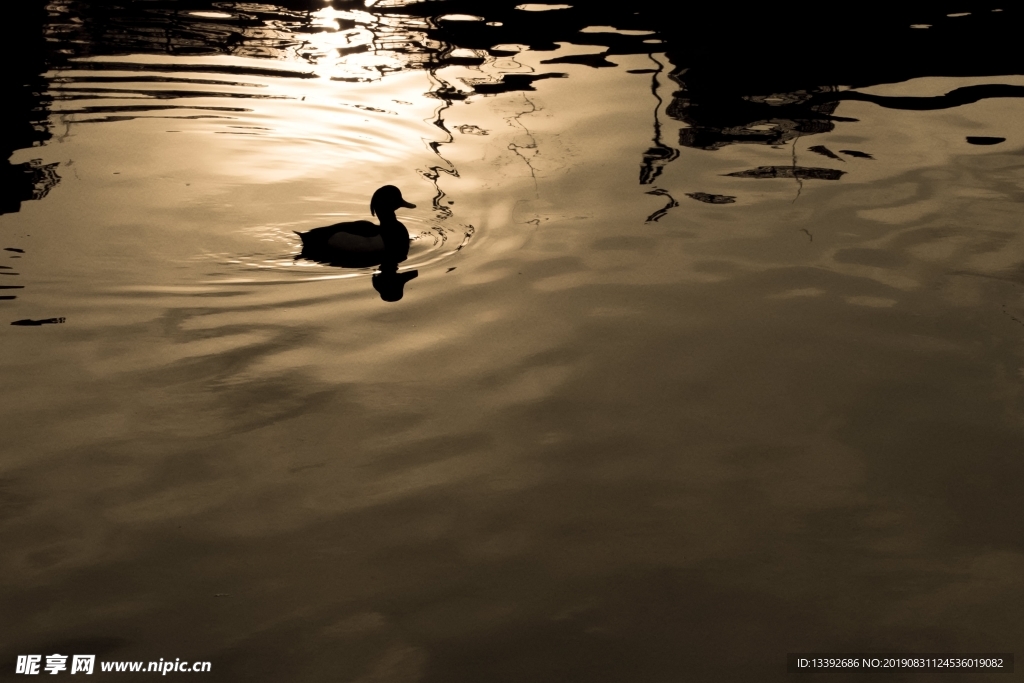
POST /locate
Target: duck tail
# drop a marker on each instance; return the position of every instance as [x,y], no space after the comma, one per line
[302,235]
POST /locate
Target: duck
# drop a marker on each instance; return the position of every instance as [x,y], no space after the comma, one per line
[362,243]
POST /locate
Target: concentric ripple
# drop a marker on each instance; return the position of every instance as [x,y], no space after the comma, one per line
[432,243]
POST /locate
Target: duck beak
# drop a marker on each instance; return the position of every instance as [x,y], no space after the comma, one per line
[408,205]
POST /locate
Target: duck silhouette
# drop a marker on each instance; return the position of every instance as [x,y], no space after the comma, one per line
[389,283]
[362,243]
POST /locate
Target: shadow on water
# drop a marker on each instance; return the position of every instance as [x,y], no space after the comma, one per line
[26,113]
[778,67]
[26,109]
[765,76]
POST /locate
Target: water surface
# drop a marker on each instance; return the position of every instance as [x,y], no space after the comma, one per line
[700,366]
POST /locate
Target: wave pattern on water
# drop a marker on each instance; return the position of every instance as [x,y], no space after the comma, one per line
[707,318]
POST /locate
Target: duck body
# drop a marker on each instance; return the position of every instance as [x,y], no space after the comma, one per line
[356,236]
[362,243]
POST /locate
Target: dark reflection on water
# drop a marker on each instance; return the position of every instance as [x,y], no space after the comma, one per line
[390,284]
[26,103]
[714,349]
[729,88]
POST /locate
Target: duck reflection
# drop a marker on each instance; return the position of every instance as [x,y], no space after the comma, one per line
[359,244]
[389,283]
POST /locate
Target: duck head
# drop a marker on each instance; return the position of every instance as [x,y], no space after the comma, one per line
[386,200]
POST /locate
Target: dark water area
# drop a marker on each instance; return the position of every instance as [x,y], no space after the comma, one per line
[707,346]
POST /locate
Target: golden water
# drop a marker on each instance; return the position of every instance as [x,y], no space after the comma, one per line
[585,445]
